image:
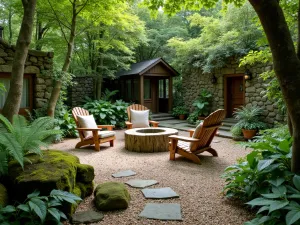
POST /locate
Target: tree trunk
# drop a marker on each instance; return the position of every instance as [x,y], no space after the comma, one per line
[286,64]
[58,84]
[14,97]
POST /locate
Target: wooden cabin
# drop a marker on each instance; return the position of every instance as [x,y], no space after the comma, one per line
[148,83]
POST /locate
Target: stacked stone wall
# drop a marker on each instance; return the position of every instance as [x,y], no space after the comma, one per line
[195,81]
[83,87]
[36,62]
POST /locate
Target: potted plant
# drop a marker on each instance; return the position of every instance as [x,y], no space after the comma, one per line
[249,120]
[180,111]
[237,133]
[203,103]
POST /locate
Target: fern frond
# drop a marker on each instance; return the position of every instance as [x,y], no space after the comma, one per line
[8,126]
[14,148]
[3,163]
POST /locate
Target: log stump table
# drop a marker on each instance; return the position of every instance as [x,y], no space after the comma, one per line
[148,139]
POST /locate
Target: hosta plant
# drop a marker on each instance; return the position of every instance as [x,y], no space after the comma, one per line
[37,209]
[20,138]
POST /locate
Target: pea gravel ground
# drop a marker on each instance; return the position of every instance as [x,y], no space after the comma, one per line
[199,186]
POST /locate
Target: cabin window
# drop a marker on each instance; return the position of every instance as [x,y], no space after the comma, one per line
[147,89]
[26,102]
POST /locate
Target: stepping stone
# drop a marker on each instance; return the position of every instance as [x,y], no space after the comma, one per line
[141,183]
[124,173]
[86,217]
[162,211]
[159,193]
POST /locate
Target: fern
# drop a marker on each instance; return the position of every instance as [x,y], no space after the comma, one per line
[20,138]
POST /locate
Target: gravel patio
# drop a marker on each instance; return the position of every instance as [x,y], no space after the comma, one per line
[199,186]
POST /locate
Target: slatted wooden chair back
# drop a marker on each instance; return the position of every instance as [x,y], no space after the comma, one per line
[77,111]
[135,107]
[209,128]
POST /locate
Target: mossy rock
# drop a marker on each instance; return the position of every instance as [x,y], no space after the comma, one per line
[3,196]
[85,173]
[86,189]
[55,170]
[111,196]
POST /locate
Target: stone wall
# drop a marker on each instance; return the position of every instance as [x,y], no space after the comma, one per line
[83,87]
[195,81]
[36,62]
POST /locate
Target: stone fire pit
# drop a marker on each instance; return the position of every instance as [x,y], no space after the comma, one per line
[148,139]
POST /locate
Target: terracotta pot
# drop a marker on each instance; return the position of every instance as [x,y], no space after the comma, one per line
[182,117]
[249,134]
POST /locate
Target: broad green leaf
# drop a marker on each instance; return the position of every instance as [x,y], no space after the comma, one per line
[251,158]
[277,182]
[284,146]
[275,205]
[262,164]
[102,116]
[272,195]
[8,209]
[55,213]
[260,201]
[292,217]
[264,208]
[39,207]
[281,190]
[294,196]
[24,207]
[34,194]
[296,181]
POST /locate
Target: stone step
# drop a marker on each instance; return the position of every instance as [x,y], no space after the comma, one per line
[224,134]
[160,115]
[225,128]
[230,120]
[162,118]
[228,124]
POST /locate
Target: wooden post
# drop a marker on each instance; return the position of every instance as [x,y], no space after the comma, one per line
[170,93]
[141,90]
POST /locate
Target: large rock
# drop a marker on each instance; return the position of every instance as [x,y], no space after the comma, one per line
[3,196]
[55,170]
[111,196]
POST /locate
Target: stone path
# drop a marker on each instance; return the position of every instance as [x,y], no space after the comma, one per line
[159,211]
[87,217]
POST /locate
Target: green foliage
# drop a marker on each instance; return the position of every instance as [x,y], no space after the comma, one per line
[264,177]
[223,35]
[203,103]
[108,113]
[66,122]
[178,92]
[249,118]
[38,209]
[236,132]
[193,117]
[20,138]
[108,95]
[179,110]
[2,88]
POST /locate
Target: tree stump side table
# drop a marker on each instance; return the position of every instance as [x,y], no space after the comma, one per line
[148,139]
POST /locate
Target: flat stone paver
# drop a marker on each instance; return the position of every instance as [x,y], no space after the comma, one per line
[162,193]
[87,217]
[141,183]
[124,173]
[162,211]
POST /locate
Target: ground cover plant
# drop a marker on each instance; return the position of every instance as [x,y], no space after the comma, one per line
[264,179]
[106,112]
[38,209]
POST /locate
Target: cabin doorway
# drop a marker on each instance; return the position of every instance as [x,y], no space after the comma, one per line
[234,93]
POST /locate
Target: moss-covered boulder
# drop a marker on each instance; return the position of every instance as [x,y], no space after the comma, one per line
[111,196]
[54,170]
[3,196]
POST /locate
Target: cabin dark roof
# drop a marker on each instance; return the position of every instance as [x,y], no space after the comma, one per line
[140,67]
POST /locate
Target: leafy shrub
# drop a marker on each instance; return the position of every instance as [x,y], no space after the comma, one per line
[179,110]
[192,118]
[19,138]
[264,175]
[203,103]
[66,123]
[106,112]
[108,95]
[236,132]
[249,118]
[38,209]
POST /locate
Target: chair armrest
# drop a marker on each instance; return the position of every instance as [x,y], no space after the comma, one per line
[182,138]
[88,129]
[154,123]
[191,131]
[128,125]
[108,127]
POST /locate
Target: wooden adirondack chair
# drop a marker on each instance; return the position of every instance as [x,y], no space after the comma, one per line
[98,136]
[139,108]
[200,141]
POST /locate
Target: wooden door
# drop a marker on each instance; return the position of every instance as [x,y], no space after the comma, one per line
[235,93]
